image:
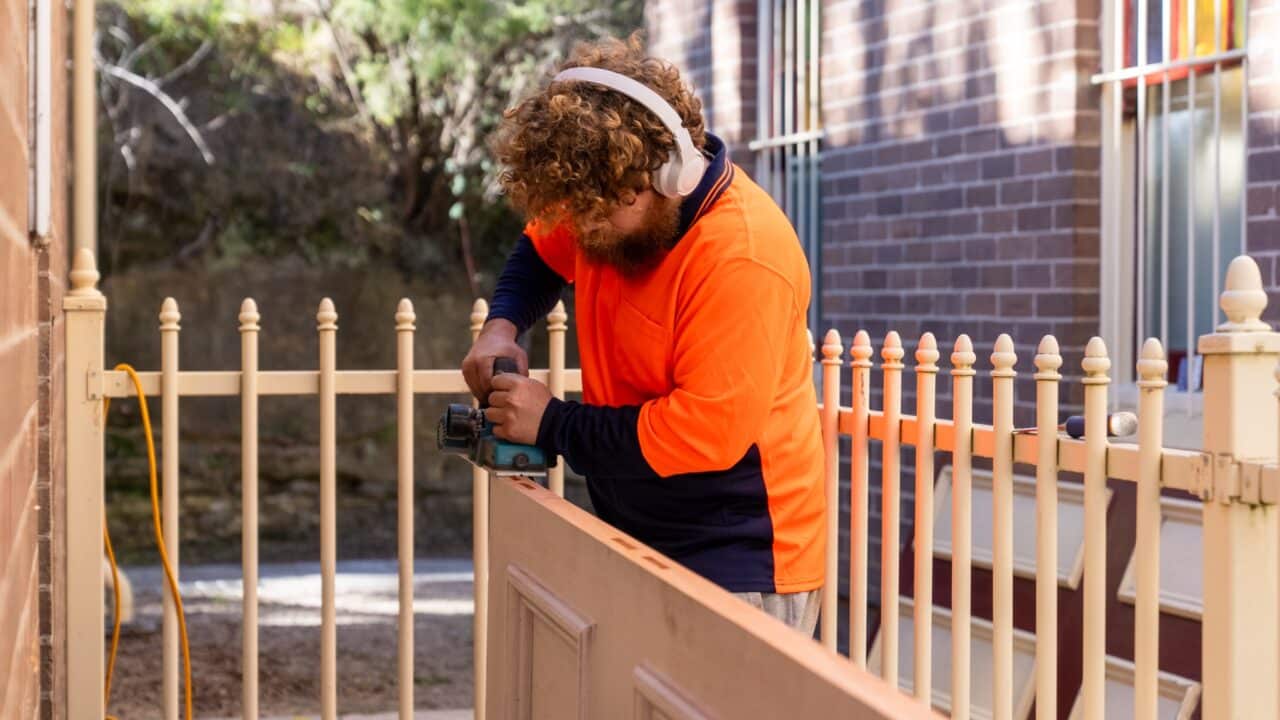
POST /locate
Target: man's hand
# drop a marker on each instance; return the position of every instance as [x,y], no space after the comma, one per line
[497,339]
[516,406]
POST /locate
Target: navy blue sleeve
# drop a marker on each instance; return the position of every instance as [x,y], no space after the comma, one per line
[595,440]
[527,289]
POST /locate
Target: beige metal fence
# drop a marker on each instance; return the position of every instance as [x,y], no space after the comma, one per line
[1236,478]
[89,384]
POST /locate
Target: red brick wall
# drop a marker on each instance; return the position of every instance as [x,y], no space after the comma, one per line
[31,438]
[19,413]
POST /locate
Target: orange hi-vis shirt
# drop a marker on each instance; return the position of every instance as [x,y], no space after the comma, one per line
[700,434]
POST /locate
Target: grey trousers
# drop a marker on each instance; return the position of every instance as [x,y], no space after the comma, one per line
[799,610]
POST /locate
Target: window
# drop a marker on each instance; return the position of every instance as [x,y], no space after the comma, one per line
[1173,175]
[788,123]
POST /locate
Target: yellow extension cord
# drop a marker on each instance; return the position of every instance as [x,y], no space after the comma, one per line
[164,556]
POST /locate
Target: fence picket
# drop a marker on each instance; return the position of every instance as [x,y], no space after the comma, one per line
[557,326]
[832,350]
[480,551]
[890,504]
[858,497]
[1095,365]
[249,329]
[962,373]
[327,329]
[169,328]
[1146,648]
[1048,360]
[926,385]
[1002,375]
[405,327]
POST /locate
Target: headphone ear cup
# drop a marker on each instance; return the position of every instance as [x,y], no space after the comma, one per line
[691,175]
[667,179]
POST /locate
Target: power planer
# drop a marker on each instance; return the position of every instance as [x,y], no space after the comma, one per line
[465,431]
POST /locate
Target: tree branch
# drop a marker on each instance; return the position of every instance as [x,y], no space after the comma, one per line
[188,65]
[150,87]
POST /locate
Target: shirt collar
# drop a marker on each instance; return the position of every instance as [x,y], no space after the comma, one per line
[715,180]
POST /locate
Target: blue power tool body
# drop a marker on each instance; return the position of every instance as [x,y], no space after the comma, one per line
[465,431]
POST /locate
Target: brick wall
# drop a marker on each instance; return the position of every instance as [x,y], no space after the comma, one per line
[959,179]
[51,486]
[1263,163]
[31,438]
[19,414]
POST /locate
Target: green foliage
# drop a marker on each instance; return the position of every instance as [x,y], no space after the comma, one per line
[344,130]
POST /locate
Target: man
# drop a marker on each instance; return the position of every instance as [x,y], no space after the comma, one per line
[699,433]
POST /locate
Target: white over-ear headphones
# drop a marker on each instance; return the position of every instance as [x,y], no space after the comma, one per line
[680,174]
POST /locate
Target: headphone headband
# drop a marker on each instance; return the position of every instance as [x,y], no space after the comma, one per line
[680,175]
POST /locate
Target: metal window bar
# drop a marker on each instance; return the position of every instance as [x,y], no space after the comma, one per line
[788,132]
[1117,71]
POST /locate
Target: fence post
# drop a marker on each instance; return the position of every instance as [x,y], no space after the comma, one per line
[86,310]
[1240,580]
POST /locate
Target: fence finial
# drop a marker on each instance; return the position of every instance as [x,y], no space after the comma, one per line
[84,274]
[892,351]
[812,347]
[1048,359]
[1003,358]
[169,315]
[1152,365]
[832,347]
[963,357]
[558,319]
[326,316]
[927,354]
[405,316]
[1243,299]
[1096,363]
[479,313]
[249,316]
[861,350]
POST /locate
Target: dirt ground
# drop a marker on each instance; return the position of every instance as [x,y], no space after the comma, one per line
[289,639]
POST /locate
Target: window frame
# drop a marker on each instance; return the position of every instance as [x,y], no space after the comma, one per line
[1123,189]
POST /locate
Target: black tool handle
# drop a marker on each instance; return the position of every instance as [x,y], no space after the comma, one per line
[1121,424]
[502,365]
[505,365]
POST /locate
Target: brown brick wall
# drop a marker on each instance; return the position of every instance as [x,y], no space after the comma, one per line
[1263,161]
[31,437]
[960,176]
[51,465]
[959,179]
[19,414]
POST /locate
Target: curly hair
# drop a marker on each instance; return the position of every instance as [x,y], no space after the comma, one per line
[572,150]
